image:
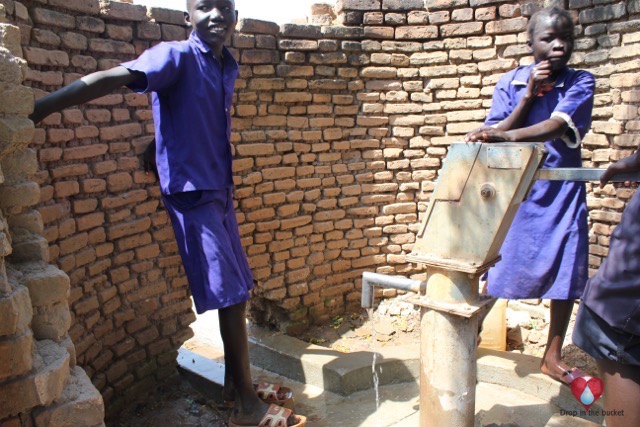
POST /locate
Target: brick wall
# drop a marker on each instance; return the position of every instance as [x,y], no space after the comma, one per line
[40,383]
[339,132]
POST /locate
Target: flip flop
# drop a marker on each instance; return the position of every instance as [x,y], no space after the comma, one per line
[271,394]
[276,416]
[569,376]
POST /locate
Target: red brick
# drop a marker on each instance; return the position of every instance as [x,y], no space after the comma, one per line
[106,167]
[98,115]
[147,336]
[132,242]
[47,78]
[129,228]
[66,228]
[39,136]
[119,32]
[38,56]
[147,252]
[91,7]
[108,100]
[69,171]
[120,114]
[159,347]
[126,131]
[50,154]
[172,32]
[146,292]
[117,370]
[66,188]
[100,266]
[56,136]
[73,244]
[97,235]
[128,285]
[84,206]
[85,257]
[83,132]
[132,197]
[147,208]
[119,182]
[104,249]
[86,305]
[148,31]
[93,185]
[123,11]
[87,222]
[118,216]
[52,213]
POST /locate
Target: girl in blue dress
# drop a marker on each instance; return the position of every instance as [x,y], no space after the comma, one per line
[545,253]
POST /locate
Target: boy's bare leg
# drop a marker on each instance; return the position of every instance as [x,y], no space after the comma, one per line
[552,364]
[228,393]
[248,408]
[622,393]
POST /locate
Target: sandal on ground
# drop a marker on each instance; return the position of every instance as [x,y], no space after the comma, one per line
[276,416]
[271,394]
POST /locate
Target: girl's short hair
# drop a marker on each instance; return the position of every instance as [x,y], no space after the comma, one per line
[553,13]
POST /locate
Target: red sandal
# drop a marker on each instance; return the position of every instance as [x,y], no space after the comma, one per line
[271,394]
[276,416]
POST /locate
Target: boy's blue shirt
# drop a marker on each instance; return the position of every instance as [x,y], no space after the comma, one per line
[192,95]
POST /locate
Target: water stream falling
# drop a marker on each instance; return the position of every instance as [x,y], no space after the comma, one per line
[376,379]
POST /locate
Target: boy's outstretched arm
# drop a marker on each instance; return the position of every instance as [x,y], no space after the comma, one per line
[90,87]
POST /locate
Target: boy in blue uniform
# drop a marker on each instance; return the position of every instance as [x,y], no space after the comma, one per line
[192,84]
[545,253]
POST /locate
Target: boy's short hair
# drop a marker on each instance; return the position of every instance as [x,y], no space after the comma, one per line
[186,4]
[554,13]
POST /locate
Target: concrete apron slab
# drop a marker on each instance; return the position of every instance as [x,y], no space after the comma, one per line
[337,385]
[393,405]
[346,373]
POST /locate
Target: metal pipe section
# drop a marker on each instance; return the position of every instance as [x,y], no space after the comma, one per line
[582,174]
[369,280]
[448,343]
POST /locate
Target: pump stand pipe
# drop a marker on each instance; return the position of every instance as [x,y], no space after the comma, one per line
[369,280]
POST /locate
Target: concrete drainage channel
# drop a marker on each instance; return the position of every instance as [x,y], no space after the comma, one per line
[340,373]
[511,383]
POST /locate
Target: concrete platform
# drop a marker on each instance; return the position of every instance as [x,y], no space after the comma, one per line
[336,389]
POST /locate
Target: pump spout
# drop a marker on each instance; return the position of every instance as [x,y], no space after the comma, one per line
[369,280]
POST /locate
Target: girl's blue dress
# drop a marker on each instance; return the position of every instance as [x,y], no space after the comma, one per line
[545,253]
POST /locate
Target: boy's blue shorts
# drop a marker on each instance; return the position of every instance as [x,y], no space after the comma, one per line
[204,222]
[601,341]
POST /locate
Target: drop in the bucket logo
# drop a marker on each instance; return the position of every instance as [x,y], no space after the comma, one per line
[587,390]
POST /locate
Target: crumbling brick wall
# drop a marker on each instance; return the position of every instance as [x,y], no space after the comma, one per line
[40,383]
[339,132]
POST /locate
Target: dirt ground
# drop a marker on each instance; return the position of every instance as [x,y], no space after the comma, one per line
[174,405]
[396,322]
